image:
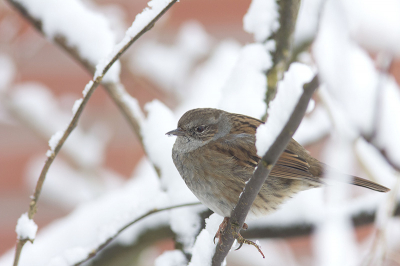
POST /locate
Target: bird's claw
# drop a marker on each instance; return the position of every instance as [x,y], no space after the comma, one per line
[241,240]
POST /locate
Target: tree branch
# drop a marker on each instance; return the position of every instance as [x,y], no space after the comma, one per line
[108,241]
[75,118]
[264,167]
[283,37]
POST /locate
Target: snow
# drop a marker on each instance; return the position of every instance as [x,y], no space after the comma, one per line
[289,91]
[26,228]
[61,179]
[374,24]
[261,19]
[204,247]
[313,127]
[246,87]
[171,258]
[34,104]
[7,72]
[388,130]
[307,21]
[204,87]
[87,88]
[76,105]
[132,104]
[55,139]
[376,165]
[140,22]
[169,66]
[186,228]
[86,30]
[347,70]
[92,222]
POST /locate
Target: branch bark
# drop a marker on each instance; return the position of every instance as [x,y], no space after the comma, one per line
[283,37]
[74,120]
[264,167]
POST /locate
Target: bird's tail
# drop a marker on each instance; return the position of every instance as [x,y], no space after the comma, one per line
[361,182]
[354,180]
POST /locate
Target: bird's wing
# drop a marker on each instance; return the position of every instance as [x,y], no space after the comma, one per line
[292,166]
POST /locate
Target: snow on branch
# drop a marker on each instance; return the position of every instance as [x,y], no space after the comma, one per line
[253,186]
[145,21]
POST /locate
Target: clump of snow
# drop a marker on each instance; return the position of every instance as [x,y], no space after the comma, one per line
[76,105]
[347,70]
[140,22]
[170,66]
[205,85]
[55,139]
[159,149]
[186,229]
[171,258]
[26,228]
[261,19]
[132,103]
[307,21]
[86,30]
[90,224]
[87,88]
[246,87]
[204,247]
[289,91]
[374,25]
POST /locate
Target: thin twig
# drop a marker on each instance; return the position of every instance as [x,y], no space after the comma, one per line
[75,118]
[264,167]
[102,246]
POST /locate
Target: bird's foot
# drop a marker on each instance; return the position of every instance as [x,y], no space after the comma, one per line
[222,227]
[241,240]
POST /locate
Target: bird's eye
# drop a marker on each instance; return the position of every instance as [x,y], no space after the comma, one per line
[200,128]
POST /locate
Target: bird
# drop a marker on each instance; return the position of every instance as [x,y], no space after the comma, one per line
[215,154]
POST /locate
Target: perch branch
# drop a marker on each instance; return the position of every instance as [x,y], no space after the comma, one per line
[264,167]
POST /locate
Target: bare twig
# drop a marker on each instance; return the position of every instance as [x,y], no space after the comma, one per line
[75,118]
[102,246]
[264,167]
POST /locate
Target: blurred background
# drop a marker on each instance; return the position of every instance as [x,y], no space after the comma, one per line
[47,72]
[36,60]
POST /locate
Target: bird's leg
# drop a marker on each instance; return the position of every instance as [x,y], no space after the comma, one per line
[222,227]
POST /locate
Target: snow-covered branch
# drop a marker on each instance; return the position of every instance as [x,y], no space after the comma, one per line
[267,162]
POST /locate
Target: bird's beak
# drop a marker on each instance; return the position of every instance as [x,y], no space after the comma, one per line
[176,132]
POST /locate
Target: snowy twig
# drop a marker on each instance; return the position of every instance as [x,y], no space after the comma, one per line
[65,134]
[253,186]
[111,88]
[102,246]
[283,37]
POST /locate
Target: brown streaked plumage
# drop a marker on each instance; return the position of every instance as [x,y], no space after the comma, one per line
[215,154]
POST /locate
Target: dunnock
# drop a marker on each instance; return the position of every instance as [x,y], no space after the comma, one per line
[215,154]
